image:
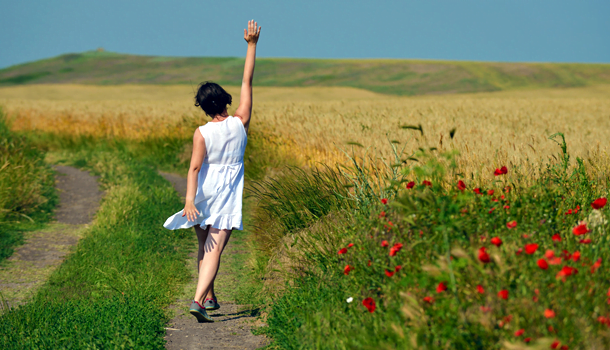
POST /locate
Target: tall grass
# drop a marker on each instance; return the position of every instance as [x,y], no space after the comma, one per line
[425,292]
[27,192]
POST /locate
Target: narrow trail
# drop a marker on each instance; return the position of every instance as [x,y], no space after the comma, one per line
[233,323]
[43,251]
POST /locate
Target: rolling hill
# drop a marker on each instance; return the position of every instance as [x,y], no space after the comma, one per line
[398,77]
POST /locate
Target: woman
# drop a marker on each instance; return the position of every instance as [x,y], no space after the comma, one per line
[215,179]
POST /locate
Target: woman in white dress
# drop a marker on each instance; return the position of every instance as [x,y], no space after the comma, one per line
[215,179]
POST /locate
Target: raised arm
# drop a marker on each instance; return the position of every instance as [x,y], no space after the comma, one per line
[245,101]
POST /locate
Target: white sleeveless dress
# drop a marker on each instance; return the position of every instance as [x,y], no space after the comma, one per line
[220,183]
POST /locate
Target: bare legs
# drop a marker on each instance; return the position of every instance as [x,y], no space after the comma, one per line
[212,242]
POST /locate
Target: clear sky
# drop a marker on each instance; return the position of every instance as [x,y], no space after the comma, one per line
[480,30]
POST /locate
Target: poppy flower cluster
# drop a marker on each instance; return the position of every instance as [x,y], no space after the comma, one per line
[573,211]
[581,229]
[461,185]
[496,241]
[344,250]
[501,171]
[369,304]
[511,224]
[483,255]
[599,203]
[395,249]
[390,273]
[427,183]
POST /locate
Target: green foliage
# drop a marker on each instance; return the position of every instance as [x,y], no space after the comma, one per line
[398,77]
[27,192]
[434,234]
[112,290]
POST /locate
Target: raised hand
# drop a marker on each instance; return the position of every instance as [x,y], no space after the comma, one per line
[251,34]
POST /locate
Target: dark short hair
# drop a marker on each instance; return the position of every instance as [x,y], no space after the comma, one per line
[212,98]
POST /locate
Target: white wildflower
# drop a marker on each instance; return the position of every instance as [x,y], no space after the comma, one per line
[350,299]
[596,219]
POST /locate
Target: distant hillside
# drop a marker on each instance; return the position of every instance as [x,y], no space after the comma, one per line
[400,77]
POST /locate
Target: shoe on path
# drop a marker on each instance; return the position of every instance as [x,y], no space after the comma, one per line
[199,312]
[211,304]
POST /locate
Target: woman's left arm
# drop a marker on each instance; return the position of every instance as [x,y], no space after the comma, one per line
[197,157]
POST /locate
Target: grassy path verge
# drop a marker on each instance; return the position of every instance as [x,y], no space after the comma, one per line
[112,290]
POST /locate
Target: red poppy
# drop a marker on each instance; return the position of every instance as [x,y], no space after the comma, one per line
[395,249]
[568,212]
[397,268]
[490,192]
[599,203]
[369,304]
[441,287]
[555,344]
[507,189]
[477,191]
[429,300]
[556,237]
[410,184]
[543,264]
[384,200]
[531,248]
[596,265]
[347,269]
[485,308]
[527,340]
[503,294]
[575,256]
[350,245]
[549,254]
[461,185]
[382,214]
[426,183]
[483,256]
[519,332]
[491,210]
[480,289]
[501,171]
[555,261]
[585,241]
[384,243]
[519,251]
[511,224]
[496,241]
[548,313]
[564,347]
[389,273]
[566,271]
[342,251]
[507,207]
[369,264]
[580,229]
[551,329]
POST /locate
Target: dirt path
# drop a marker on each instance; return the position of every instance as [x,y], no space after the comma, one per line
[232,329]
[32,263]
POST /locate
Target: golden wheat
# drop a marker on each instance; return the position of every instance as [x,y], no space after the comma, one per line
[493,129]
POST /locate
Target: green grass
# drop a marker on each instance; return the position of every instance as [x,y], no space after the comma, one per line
[398,77]
[27,192]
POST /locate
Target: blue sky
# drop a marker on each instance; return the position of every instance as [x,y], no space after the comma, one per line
[479,30]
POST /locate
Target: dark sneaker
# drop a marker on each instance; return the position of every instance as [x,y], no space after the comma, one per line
[211,304]
[199,311]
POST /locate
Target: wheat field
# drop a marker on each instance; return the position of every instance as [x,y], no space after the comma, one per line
[319,124]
